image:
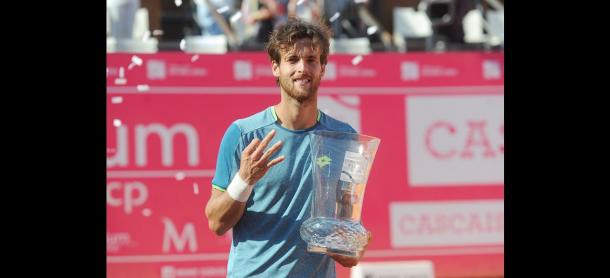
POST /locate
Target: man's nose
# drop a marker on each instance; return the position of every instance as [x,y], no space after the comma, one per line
[301,66]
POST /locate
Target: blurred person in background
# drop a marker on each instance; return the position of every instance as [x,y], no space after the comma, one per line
[269,13]
[352,18]
[205,17]
[262,16]
[335,11]
[307,10]
[261,197]
[122,15]
[344,17]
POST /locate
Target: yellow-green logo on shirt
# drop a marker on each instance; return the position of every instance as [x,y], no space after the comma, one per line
[323,161]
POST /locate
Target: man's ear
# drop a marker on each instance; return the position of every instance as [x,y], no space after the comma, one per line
[275,67]
[323,71]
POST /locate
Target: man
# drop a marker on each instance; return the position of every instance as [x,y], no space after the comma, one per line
[258,194]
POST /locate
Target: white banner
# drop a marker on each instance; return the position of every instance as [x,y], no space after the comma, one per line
[455,140]
[447,223]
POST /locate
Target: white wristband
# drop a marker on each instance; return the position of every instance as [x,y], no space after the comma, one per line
[238,189]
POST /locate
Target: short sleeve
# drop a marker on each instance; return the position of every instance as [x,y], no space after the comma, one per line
[228,159]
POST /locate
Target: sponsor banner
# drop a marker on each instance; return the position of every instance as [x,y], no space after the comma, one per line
[254,69]
[447,223]
[455,140]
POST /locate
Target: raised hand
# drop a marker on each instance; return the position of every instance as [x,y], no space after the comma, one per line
[255,160]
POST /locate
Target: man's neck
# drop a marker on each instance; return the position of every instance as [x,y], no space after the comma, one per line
[295,115]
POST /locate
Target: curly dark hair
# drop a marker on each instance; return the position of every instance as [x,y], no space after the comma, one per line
[285,35]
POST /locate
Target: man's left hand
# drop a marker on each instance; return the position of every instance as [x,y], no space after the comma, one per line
[351,261]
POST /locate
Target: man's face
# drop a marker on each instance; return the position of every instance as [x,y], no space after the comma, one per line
[300,70]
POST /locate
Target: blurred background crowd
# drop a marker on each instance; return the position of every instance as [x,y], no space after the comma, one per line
[359,26]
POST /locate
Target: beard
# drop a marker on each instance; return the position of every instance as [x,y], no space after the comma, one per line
[300,94]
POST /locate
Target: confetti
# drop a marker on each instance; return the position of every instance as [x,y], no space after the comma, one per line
[357,60]
[222,9]
[136,60]
[371,30]
[178,2]
[334,17]
[179,176]
[143,88]
[117,122]
[146,212]
[235,17]
[194,58]
[157,32]
[117,100]
[300,2]
[182,44]
[196,189]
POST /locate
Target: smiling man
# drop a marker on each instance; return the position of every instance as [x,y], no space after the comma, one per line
[264,193]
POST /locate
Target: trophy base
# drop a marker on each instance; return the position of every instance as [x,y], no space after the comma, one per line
[327,250]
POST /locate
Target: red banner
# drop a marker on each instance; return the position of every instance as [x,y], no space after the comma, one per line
[436,187]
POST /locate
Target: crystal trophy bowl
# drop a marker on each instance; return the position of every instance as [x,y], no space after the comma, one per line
[341,165]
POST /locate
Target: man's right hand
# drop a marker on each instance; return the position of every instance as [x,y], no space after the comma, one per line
[255,160]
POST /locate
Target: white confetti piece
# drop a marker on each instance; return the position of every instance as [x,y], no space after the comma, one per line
[143,88]
[360,1]
[334,17]
[222,9]
[357,60]
[180,176]
[117,100]
[157,32]
[194,58]
[196,189]
[146,212]
[135,61]
[182,44]
[117,122]
[235,17]
[121,72]
[300,2]
[178,3]
[371,30]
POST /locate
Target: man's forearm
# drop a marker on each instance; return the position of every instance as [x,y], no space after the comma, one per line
[223,212]
[224,209]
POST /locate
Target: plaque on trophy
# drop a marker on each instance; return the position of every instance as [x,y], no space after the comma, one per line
[342,162]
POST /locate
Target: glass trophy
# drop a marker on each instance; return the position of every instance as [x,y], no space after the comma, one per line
[341,165]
